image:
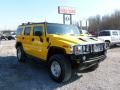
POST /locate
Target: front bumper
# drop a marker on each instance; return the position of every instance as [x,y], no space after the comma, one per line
[95,59]
[89,58]
[92,59]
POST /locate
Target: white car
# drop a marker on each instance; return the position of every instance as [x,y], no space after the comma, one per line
[13,34]
[111,37]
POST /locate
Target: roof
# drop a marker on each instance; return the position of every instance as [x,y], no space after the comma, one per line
[31,23]
[108,30]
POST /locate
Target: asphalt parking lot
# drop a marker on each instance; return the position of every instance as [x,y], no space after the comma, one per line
[33,75]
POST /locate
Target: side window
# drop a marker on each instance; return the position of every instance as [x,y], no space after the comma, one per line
[38,30]
[104,33]
[114,33]
[27,30]
[118,32]
[19,31]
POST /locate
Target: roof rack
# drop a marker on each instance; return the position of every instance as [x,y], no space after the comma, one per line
[27,23]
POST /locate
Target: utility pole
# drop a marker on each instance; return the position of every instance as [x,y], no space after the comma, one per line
[81,24]
[86,25]
[63,18]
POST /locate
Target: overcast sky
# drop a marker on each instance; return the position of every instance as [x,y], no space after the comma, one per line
[15,12]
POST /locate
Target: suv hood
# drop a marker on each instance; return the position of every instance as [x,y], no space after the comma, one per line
[70,39]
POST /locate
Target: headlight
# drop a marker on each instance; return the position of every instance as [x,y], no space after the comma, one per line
[86,49]
[80,49]
[76,49]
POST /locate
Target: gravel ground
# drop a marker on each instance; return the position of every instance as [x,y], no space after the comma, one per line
[33,75]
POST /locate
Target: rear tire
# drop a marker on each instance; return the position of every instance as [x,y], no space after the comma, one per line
[108,44]
[20,54]
[60,68]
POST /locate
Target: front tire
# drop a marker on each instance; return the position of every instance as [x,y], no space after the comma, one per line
[60,68]
[20,54]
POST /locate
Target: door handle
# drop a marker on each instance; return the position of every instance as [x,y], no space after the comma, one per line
[41,40]
[33,39]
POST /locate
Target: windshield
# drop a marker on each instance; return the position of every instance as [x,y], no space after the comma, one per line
[62,29]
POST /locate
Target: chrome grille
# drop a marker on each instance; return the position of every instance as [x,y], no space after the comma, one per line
[98,47]
[93,48]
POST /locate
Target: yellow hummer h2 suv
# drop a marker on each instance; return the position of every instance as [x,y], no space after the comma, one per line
[60,46]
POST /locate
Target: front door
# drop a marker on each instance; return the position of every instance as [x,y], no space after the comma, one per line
[39,44]
[119,36]
[115,37]
[26,39]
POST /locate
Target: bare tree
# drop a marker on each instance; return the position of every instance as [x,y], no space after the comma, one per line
[106,22]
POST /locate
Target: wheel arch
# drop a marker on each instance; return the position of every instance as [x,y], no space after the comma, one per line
[107,41]
[18,44]
[55,50]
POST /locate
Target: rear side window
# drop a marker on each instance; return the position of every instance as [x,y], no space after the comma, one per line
[19,31]
[114,33]
[37,29]
[104,33]
[27,30]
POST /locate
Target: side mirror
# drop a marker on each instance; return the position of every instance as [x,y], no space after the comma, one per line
[38,33]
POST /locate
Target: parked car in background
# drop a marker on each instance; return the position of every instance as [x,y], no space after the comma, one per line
[10,37]
[3,37]
[7,37]
[111,37]
[13,34]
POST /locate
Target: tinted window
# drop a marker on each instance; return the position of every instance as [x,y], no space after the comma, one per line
[19,31]
[37,29]
[27,30]
[62,29]
[115,33]
[104,33]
